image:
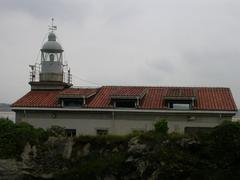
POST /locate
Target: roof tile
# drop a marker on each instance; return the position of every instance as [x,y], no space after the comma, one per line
[206,98]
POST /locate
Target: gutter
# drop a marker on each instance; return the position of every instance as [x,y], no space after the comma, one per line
[124,110]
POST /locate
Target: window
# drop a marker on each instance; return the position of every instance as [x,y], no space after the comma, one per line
[71,132]
[102,132]
[71,102]
[125,103]
[180,106]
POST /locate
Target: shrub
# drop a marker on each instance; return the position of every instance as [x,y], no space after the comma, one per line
[161,126]
[13,137]
[97,167]
[57,131]
[7,143]
[226,140]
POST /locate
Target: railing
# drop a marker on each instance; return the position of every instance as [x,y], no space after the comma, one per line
[67,77]
[36,70]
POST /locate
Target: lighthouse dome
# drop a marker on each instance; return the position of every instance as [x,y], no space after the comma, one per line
[52,45]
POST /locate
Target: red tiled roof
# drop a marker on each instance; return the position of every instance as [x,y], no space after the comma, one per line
[206,98]
[79,91]
[39,99]
[126,91]
[180,92]
[215,98]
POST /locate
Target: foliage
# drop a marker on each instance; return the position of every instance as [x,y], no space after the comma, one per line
[7,143]
[13,137]
[99,142]
[161,126]
[95,167]
[214,155]
[56,131]
[222,147]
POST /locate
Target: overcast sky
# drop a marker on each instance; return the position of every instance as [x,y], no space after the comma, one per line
[124,42]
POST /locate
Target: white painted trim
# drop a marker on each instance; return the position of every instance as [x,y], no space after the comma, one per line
[125,110]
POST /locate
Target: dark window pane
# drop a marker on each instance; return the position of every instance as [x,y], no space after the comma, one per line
[72,102]
[125,103]
[102,132]
[71,132]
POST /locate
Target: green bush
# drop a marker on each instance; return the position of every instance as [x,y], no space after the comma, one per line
[57,131]
[95,167]
[13,137]
[8,146]
[161,126]
[224,141]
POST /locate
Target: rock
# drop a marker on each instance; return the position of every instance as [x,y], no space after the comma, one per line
[162,163]
[155,175]
[134,146]
[131,176]
[34,151]
[10,169]
[47,176]
[139,148]
[142,166]
[115,150]
[67,152]
[60,145]
[28,154]
[110,177]
[86,149]
[134,141]
[51,141]
[130,159]
[188,142]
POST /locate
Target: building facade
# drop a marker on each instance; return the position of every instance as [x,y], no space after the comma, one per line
[115,109]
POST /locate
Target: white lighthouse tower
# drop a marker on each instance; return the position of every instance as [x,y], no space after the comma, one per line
[51,73]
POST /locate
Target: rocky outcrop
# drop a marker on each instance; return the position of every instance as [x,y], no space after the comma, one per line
[38,162]
[59,153]
[10,169]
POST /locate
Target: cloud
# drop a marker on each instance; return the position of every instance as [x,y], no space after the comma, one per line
[45,9]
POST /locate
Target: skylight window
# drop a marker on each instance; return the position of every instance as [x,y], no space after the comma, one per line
[72,102]
[181,106]
[127,97]
[120,103]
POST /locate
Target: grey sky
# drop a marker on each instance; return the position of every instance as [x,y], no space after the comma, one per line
[125,42]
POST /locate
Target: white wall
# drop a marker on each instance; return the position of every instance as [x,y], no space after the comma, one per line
[116,123]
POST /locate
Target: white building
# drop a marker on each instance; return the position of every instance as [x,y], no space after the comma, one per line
[115,109]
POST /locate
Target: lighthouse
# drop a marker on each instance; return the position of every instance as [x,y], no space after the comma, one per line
[51,72]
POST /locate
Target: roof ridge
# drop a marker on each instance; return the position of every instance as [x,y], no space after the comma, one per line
[206,87]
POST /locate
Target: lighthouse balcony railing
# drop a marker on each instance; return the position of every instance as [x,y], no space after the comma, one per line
[35,77]
[67,77]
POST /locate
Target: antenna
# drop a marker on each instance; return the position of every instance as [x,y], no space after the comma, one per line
[52,27]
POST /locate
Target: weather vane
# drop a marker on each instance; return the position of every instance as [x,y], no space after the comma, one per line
[52,27]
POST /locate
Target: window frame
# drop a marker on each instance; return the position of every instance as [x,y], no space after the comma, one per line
[104,131]
[71,132]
